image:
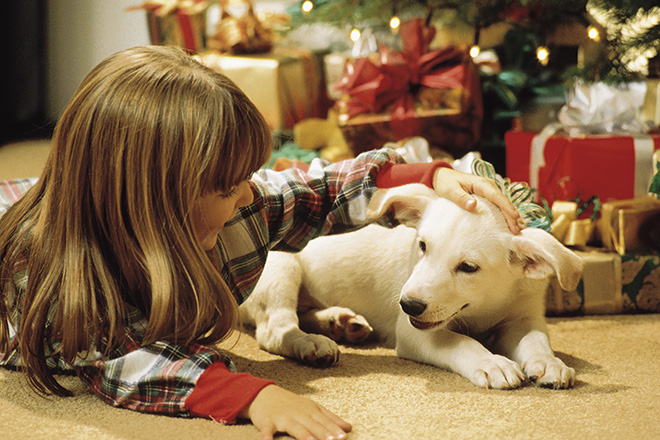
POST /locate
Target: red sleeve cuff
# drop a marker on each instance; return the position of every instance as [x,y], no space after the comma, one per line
[403,173]
[222,395]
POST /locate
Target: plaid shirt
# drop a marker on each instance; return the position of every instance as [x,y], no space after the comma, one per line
[290,208]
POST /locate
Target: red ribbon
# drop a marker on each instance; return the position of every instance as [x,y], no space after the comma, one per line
[395,77]
[187,31]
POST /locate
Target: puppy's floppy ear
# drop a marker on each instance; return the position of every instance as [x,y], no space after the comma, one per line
[542,255]
[408,202]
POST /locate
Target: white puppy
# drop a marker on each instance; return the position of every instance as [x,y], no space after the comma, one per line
[441,289]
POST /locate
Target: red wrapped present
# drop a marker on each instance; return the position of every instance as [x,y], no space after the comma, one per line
[433,94]
[559,167]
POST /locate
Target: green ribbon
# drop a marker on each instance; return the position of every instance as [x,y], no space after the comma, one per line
[519,193]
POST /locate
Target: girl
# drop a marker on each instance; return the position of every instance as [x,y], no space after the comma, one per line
[128,258]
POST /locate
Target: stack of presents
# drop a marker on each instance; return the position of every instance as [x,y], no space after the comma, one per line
[594,169]
[388,95]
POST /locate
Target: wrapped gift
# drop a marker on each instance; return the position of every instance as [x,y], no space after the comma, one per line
[608,166]
[435,95]
[621,222]
[238,30]
[285,84]
[610,284]
[177,22]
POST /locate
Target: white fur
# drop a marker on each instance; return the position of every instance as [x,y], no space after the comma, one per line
[363,276]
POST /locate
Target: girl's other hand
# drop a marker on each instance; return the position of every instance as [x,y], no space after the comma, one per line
[459,187]
[278,410]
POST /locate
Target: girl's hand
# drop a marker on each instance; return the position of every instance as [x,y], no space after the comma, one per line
[278,410]
[459,187]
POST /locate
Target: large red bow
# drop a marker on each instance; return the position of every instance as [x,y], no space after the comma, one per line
[394,78]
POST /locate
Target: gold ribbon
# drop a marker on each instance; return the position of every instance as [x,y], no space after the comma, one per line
[567,228]
[240,35]
[621,220]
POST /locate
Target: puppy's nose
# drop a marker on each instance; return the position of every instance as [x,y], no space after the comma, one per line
[412,306]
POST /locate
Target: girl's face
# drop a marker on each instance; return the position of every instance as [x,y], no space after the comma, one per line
[212,211]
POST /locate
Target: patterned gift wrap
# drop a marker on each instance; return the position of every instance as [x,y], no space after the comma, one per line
[611,284]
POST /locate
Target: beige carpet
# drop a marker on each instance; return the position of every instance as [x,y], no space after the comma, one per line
[617,395]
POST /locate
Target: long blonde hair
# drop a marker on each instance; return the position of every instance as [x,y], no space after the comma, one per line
[146,134]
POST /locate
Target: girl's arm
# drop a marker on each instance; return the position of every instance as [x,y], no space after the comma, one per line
[199,381]
[170,379]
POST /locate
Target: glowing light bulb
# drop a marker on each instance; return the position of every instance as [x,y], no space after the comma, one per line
[307,6]
[355,35]
[395,22]
[475,51]
[593,33]
[543,54]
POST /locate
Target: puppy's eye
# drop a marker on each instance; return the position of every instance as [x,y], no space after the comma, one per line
[422,245]
[467,267]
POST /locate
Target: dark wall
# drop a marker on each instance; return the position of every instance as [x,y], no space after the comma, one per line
[22,68]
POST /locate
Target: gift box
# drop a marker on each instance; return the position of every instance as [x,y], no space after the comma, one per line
[561,167]
[610,284]
[622,221]
[177,23]
[417,92]
[285,84]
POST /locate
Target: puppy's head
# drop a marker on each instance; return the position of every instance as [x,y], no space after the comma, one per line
[465,263]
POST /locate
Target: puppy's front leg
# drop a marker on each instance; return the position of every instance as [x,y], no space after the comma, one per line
[526,341]
[458,353]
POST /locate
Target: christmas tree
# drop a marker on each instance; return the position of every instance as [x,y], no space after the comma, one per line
[632,26]
[612,41]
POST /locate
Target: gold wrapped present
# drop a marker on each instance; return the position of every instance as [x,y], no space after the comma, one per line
[599,291]
[621,220]
[285,84]
[610,284]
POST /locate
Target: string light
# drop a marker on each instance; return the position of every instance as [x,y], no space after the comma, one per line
[542,53]
[475,50]
[593,33]
[395,22]
[307,6]
[355,35]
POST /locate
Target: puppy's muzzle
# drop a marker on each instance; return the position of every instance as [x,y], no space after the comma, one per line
[412,306]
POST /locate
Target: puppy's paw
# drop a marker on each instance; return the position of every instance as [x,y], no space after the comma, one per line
[549,372]
[338,323]
[498,372]
[350,327]
[316,350]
